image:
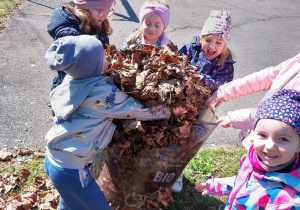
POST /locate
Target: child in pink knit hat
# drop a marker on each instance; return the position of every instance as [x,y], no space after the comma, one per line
[154,18]
[78,18]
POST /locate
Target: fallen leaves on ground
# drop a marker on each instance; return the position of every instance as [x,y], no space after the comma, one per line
[17,193]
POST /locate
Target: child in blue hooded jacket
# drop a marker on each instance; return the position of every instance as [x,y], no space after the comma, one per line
[84,105]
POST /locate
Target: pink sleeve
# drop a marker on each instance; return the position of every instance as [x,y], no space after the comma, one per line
[242,118]
[220,186]
[255,82]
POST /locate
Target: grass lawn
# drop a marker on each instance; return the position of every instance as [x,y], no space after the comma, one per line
[206,163]
[6,6]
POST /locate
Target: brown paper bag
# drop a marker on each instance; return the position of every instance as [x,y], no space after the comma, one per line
[128,182]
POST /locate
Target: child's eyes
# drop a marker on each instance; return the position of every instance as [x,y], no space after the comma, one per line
[262,135]
[283,139]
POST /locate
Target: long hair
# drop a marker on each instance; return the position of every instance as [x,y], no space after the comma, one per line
[87,23]
[225,56]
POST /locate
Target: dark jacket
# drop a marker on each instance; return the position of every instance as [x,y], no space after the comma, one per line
[64,23]
[213,76]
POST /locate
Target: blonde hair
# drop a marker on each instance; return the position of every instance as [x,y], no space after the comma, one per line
[136,34]
[87,23]
[225,56]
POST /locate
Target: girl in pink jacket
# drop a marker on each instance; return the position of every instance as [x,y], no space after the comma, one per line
[270,172]
[283,76]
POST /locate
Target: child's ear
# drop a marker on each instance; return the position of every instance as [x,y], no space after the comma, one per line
[298,151]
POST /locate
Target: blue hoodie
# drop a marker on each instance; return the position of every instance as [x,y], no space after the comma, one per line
[85,103]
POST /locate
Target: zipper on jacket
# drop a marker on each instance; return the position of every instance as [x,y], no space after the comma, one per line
[237,190]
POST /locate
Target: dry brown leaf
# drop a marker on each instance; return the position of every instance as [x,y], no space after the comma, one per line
[25,152]
[24,172]
[31,188]
[4,155]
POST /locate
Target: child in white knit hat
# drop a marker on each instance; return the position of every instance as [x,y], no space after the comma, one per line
[81,17]
[210,52]
[211,55]
[154,18]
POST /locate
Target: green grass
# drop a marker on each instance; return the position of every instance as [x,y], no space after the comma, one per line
[6,6]
[35,167]
[206,163]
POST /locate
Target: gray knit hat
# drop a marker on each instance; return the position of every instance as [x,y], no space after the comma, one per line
[78,56]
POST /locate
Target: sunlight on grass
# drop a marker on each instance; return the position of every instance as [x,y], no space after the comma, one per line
[206,163]
[35,167]
[6,6]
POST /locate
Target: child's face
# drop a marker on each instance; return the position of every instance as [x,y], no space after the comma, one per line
[212,46]
[99,15]
[275,142]
[153,27]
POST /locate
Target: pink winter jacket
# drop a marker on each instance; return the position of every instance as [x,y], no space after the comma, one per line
[258,189]
[271,78]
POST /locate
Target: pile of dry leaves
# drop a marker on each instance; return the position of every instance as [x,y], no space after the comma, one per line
[17,193]
[156,77]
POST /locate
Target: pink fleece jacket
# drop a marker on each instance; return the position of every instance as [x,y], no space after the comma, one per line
[271,78]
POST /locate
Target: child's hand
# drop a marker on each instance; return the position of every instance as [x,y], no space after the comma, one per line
[224,121]
[202,186]
[104,66]
[214,99]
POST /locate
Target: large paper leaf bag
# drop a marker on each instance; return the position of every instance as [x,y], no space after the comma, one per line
[145,158]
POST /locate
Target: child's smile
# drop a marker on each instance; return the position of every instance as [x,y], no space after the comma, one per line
[213,46]
[275,142]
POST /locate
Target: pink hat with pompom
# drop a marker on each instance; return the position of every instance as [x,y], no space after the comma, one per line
[94,4]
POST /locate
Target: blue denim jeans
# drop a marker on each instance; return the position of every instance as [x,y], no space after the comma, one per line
[77,188]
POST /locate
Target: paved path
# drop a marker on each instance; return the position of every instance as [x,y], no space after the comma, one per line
[265,33]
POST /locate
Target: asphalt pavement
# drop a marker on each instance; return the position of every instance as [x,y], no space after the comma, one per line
[265,33]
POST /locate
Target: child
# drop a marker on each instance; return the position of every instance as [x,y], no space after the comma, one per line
[269,174]
[285,75]
[81,17]
[211,54]
[212,57]
[154,19]
[84,105]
